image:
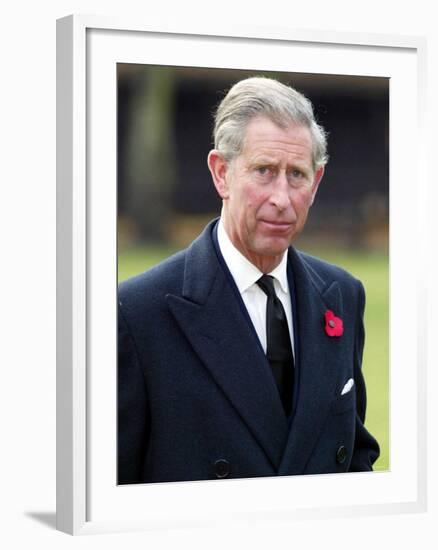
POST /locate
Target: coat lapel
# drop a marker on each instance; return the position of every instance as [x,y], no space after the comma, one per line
[319,356]
[210,315]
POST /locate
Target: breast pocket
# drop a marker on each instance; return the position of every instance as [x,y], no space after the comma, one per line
[344,402]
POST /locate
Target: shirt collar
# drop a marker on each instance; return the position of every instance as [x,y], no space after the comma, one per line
[244,273]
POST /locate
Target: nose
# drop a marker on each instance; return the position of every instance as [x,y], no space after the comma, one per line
[280,192]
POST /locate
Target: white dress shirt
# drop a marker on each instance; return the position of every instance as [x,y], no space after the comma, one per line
[246,275]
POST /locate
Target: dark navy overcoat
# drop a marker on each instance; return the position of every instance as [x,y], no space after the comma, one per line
[196,396]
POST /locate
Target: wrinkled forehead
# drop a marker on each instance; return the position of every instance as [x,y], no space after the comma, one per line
[265,135]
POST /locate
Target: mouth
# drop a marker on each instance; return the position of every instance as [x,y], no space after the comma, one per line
[277,226]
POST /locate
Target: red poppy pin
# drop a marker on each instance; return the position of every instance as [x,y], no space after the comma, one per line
[333,324]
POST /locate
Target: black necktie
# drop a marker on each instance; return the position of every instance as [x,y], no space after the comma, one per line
[279,349]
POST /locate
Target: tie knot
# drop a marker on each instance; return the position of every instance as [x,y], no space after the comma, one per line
[266,283]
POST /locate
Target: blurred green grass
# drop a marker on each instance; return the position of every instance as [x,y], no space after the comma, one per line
[373,270]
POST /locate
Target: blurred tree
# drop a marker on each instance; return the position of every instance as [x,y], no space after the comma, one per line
[151,152]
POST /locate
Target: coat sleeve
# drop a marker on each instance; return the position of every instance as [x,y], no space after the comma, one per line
[366,449]
[132,408]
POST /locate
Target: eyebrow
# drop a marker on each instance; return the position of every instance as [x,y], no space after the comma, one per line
[264,160]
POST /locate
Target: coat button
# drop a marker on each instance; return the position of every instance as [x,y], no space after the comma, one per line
[221,468]
[341,454]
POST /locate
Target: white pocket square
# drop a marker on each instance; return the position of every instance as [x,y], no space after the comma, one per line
[347,386]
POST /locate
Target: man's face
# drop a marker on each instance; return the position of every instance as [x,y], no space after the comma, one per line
[267,190]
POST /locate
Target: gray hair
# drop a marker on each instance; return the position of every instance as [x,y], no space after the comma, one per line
[260,96]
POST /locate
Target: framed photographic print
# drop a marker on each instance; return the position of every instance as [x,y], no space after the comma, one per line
[135,113]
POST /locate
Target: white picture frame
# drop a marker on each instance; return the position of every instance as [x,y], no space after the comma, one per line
[88,500]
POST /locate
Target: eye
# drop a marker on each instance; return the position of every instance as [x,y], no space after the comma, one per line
[262,170]
[295,173]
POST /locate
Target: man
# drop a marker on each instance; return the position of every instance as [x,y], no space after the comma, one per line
[240,356]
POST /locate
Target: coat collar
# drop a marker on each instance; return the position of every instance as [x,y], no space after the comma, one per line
[211,314]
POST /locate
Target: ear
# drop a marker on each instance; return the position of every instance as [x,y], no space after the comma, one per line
[218,167]
[316,181]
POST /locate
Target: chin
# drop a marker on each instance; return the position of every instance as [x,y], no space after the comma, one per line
[272,248]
